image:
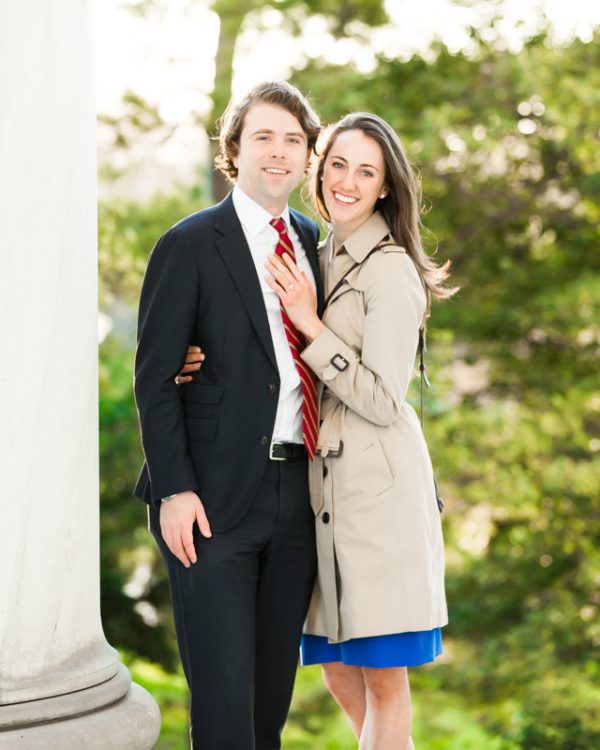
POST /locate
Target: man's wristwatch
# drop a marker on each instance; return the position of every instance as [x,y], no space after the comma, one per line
[167,498]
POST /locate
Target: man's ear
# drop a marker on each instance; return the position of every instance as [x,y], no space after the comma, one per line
[235,154]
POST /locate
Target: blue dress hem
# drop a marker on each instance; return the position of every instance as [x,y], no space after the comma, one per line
[394,650]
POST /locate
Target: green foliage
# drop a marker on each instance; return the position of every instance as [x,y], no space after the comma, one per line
[342,13]
[128,553]
[561,713]
[137,119]
[127,233]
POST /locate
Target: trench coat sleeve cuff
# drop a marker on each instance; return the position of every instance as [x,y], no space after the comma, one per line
[328,356]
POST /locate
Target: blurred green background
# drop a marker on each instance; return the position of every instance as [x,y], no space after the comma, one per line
[507,144]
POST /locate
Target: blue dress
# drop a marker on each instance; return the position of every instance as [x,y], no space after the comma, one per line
[396,650]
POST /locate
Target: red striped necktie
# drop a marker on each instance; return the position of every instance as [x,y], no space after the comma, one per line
[297,343]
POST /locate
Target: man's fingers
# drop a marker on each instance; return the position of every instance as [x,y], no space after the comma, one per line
[187,540]
[202,520]
[191,367]
[179,552]
[193,362]
[193,352]
[175,546]
[193,357]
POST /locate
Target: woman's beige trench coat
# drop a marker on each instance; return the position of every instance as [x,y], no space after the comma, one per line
[379,536]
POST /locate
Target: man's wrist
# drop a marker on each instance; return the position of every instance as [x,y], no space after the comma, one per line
[168,498]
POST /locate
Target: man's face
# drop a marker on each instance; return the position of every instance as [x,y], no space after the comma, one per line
[272,157]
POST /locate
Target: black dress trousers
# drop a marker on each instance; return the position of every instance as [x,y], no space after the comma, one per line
[239,612]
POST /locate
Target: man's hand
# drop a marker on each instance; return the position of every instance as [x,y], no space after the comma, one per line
[193,362]
[177,518]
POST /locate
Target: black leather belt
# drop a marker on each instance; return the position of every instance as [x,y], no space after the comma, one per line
[286,451]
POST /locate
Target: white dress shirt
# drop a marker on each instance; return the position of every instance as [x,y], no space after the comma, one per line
[262,240]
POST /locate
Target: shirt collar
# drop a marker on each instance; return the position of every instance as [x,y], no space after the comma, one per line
[253,217]
[366,237]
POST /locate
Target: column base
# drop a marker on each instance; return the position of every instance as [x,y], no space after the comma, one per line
[133,723]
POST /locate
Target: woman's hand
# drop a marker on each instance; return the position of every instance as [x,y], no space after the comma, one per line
[193,362]
[296,294]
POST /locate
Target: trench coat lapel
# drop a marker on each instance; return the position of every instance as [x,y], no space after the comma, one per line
[237,257]
[366,237]
[358,245]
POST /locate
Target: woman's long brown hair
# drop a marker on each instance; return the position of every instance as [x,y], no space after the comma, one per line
[401,204]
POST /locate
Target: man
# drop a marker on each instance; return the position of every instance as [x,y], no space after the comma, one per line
[226,454]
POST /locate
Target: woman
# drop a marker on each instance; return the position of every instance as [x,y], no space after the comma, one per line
[379,601]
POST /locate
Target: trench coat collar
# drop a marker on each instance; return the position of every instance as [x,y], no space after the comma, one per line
[366,237]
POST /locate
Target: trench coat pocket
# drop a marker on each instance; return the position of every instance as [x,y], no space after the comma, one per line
[363,465]
[376,468]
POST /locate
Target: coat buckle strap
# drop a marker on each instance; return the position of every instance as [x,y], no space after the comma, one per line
[329,452]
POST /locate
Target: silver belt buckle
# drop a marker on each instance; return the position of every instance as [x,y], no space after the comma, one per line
[272,457]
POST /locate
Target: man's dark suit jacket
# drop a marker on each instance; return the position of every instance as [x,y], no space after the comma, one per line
[212,435]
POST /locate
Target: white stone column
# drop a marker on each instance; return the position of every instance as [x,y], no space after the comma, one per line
[61,684]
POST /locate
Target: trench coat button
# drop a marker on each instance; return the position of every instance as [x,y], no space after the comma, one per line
[325,471]
[272,388]
[325,517]
[264,440]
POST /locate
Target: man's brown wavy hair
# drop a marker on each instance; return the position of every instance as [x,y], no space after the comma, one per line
[279,93]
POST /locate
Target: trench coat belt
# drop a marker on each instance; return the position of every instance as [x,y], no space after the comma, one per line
[331,414]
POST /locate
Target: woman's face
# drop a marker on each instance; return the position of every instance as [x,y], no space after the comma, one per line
[353,179]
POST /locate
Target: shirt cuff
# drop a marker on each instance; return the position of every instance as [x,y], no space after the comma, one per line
[328,356]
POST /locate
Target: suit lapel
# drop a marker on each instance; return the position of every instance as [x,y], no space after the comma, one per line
[310,247]
[238,259]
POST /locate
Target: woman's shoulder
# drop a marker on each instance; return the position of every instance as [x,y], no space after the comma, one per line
[390,270]
[388,257]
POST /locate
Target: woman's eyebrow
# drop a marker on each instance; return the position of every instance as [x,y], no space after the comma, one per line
[341,158]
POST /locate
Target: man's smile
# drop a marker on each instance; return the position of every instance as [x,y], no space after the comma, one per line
[276,170]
